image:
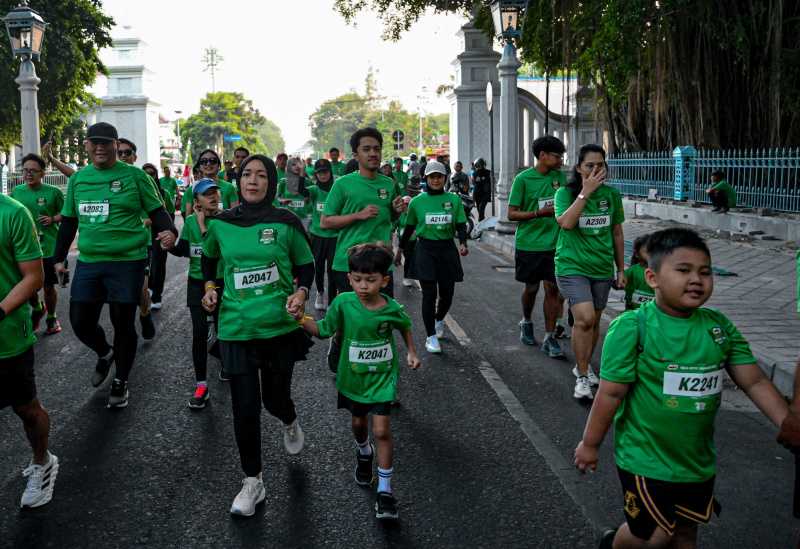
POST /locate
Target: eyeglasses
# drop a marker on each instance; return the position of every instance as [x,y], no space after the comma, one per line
[559,156]
[125,152]
[27,171]
[208,161]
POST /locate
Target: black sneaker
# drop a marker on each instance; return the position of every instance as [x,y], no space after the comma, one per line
[607,539]
[101,370]
[200,397]
[148,328]
[363,472]
[118,398]
[386,506]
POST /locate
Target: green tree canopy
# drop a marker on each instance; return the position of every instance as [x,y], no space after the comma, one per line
[69,63]
[271,136]
[229,113]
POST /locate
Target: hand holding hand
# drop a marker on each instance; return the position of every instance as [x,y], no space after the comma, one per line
[60,268]
[209,300]
[296,304]
[45,220]
[463,250]
[167,239]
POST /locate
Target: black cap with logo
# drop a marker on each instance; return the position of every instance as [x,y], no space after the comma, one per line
[102,131]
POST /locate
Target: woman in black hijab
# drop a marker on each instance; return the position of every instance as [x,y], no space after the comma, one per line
[263,249]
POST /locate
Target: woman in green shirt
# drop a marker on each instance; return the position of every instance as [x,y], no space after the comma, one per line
[323,241]
[263,250]
[590,245]
[292,193]
[208,163]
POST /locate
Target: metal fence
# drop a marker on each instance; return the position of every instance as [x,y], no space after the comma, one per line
[9,180]
[762,178]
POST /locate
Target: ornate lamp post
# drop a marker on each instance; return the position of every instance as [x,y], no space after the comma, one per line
[25,30]
[507,18]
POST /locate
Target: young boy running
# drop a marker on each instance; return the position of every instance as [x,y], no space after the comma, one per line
[368,368]
[661,385]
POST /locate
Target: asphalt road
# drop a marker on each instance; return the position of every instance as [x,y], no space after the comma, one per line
[484,438]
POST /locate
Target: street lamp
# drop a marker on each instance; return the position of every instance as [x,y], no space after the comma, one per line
[25,30]
[507,16]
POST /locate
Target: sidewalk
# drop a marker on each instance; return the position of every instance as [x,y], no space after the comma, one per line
[760,300]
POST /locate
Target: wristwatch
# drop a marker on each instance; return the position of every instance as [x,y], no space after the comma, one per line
[581,196]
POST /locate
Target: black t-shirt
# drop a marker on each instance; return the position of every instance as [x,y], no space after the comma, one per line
[483,182]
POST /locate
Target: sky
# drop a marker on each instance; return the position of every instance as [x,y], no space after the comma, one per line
[287,56]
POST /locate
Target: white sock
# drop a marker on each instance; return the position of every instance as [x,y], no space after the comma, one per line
[364,448]
[385,480]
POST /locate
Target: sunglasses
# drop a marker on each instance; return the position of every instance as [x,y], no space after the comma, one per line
[125,152]
[208,161]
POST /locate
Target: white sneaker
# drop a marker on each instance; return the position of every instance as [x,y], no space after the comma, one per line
[439,325]
[251,494]
[293,438]
[155,305]
[432,345]
[319,302]
[582,388]
[407,282]
[591,376]
[41,481]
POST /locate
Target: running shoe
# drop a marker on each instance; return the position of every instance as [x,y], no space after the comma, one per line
[200,397]
[386,507]
[432,345]
[552,348]
[118,397]
[251,494]
[37,315]
[407,282]
[363,472]
[526,332]
[156,305]
[439,326]
[41,481]
[591,376]
[148,328]
[319,302]
[293,438]
[582,388]
[607,539]
[53,326]
[101,370]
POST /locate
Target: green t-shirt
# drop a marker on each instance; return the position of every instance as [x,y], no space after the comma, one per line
[637,290]
[368,365]
[258,277]
[46,200]
[310,171]
[531,191]
[19,242]
[298,204]
[588,249]
[227,193]
[730,192]
[170,186]
[352,193]
[109,204]
[337,168]
[435,216]
[281,174]
[317,197]
[401,178]
[664,427]
[192,235]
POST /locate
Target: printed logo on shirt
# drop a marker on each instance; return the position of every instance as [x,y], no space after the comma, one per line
[41,201]
[115,186]
[320,207]
[384,329]
[267,236]
[603,204]
[719,335]
[631,507]
[383,194]
[447,206]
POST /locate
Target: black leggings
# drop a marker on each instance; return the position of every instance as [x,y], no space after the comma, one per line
[200,326]
[481,206]
[271,383]
[323,265]
[158,271]
[432,311]
[85,319]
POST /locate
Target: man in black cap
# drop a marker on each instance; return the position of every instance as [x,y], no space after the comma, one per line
[105,201]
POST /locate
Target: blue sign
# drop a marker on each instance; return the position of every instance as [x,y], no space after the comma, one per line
[231,138]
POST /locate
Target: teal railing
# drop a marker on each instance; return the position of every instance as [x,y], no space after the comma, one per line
[763,178]
[9,180]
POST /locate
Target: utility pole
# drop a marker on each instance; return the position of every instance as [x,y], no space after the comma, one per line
[211,60]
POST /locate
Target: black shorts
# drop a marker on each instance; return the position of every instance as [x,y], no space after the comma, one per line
[360,409]
[108,281]
[534,267]
[49,266]
[649,503]
[17,380]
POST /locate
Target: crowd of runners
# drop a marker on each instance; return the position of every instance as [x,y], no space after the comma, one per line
[260,235]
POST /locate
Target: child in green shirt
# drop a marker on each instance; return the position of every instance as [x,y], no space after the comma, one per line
[368,367]
[637,291]
[661,385]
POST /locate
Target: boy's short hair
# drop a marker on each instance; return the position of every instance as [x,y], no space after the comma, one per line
[718,173]
[333,150]
[355,139]
[36,158]
[664,243]
[370,258]
[547,143]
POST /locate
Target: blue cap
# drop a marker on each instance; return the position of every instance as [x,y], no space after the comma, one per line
[203,185]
